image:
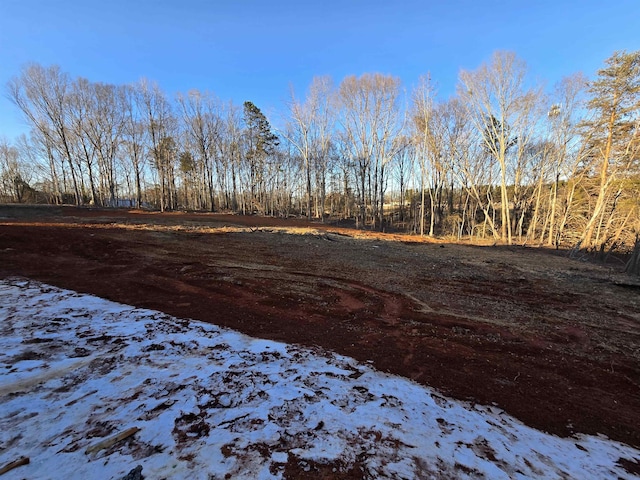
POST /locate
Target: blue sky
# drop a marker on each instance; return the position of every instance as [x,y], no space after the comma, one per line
[255,50]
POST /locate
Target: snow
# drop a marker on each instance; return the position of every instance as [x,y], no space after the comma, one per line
[213,403]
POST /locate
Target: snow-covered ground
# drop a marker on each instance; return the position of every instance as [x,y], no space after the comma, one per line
[210,403]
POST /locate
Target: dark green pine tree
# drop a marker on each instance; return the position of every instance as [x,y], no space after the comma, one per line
[260,142]
[611,132]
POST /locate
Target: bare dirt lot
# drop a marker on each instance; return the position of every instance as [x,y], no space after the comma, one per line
[553,341]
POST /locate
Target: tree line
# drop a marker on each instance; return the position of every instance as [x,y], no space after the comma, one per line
[501,159]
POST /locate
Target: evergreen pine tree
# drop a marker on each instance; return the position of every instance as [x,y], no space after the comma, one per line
[261,142]
[611,132]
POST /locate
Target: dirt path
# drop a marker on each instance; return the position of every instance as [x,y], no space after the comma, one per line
[552,341]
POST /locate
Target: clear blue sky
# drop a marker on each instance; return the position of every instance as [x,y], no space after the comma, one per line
[255,49]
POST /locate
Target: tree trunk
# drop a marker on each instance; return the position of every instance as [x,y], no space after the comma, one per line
[552,217]
[604,183]
[308,172]
[504,207]
[422,200]
[432,220]
[633,265]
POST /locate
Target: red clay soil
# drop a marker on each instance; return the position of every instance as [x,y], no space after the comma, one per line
[553,341]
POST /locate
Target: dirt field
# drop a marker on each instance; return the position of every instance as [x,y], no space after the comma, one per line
[554,342]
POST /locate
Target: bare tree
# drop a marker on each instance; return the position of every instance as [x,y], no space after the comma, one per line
[44,163]
[311,128]
[105,130]
[563,152]
[134,131]
[160,126]
[42,95]
[79,110]
[499,105]
[370,119]
[231,151]
[15,174]
[429,136]
[402,168]
[202,123]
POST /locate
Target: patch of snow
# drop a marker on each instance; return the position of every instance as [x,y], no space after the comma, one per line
[211,402]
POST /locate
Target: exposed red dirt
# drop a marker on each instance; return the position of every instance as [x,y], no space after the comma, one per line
[554,342]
